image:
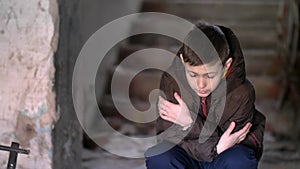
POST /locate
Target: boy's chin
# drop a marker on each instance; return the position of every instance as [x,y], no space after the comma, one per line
[202,94]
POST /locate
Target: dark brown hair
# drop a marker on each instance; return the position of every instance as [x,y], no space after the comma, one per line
[207,53]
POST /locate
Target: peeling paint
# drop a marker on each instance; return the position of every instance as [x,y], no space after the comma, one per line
[11,14]
[50,153]
[42,129]
[41,7]
[24,112]
[27,107]
[25,130]
[41,110]
[6,137]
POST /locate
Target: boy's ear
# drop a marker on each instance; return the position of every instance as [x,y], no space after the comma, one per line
[228,64]
[181,57]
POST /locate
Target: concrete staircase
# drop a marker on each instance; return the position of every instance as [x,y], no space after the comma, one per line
[255,22]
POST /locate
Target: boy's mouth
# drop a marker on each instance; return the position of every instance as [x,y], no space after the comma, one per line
[202,92]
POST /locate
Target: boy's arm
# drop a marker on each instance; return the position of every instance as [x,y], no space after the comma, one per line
[205,151]
[246,112]
[167,86]
[255,138]
[208,150]
[239,107]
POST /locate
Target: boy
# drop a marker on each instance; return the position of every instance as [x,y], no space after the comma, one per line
[217,133]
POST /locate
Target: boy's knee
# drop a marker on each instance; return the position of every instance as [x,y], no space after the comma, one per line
[167,156]
[164,157]
[159,156]
[238,163]
[155,160]
[160,149]
[238,157]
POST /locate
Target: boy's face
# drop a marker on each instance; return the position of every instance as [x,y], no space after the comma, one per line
[204,79]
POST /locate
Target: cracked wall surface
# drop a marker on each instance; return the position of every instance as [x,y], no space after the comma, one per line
[28,40]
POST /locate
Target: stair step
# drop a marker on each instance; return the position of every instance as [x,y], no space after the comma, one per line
[258,53]
[252,34]
[265,86]
[261,39]
[231,10]
[107,107]
[146,58]
[134,68]
[128,49]
[260,62]
[140,86]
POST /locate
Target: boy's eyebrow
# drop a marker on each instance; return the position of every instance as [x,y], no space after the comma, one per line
[202,74]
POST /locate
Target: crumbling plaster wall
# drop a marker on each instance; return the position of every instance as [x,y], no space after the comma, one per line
[28,40]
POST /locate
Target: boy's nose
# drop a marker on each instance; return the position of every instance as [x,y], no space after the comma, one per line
[201,82]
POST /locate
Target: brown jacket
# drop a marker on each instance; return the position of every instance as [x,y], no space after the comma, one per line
[233,100]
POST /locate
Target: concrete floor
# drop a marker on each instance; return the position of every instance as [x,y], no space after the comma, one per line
[278,154]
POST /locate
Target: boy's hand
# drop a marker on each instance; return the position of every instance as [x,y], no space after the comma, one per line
[176,113]
[229,139]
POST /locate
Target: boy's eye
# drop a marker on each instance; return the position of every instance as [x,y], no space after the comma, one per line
[211,76]
[193,74]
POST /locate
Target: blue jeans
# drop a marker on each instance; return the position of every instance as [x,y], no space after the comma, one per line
[167,156]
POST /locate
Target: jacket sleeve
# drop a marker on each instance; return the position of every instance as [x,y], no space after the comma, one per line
[245,112]
[239,107]
[199,150]
[254,139]
[167,87]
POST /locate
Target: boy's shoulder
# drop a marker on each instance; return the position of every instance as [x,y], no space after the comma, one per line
[246,89]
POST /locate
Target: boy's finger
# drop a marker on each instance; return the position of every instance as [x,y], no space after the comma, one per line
[166,103]
[245,129]
[162,101]
[178,98]
[243,136]
[166,118]
[241,139]
[230,128]
[162,113]
[162,107]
